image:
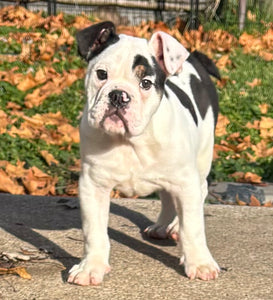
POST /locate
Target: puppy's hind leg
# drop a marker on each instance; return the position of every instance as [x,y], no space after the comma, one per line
[167,225]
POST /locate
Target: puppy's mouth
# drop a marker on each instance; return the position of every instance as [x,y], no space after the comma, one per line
[115,115]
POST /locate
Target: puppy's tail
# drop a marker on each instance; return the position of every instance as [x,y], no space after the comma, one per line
[207,63]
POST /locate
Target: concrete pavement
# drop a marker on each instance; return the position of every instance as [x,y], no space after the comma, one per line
[240,238]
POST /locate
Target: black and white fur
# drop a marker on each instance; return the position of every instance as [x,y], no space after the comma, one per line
[148,125]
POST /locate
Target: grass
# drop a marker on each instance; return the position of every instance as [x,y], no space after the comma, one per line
[238,101]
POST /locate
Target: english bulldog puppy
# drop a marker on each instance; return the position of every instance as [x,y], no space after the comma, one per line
[148,125]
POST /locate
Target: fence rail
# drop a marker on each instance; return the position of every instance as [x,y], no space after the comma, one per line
[134,11]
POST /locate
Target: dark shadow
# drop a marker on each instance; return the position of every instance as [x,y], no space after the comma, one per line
[149,250]
[141,221]
[19,215]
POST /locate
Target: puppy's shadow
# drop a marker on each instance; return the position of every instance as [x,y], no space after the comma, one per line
[21,215]
[141,221]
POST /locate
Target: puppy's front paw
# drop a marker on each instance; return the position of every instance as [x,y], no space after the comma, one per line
[88,274]
[204,271]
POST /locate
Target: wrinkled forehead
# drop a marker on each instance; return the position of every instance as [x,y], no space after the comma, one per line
[130,52]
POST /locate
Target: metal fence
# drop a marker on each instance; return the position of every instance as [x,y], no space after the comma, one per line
[132,12]
[125,11]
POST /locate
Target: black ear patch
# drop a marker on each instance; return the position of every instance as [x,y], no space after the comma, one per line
[94,39]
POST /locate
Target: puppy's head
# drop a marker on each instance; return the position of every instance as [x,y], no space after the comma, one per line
[126,76]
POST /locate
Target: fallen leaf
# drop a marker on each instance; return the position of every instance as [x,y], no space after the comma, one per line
[254,201]
[49,158]
[223,62]
[247,177]
[13,106]
[255,82]
[268,204]
[4,121]
[254,125]
[221,125]
[252,177]
[251,16]
[223,82]
[21,271]
[38,183]
[267,56]
[8,185]
[262,150]
[239,202]
[264,108]
[266,128]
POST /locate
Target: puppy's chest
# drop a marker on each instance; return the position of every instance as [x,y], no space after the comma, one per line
[140,183]
[135,173]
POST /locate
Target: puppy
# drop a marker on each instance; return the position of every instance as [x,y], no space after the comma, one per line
[148,125]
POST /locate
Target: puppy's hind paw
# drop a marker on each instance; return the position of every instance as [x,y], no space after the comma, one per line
[161,232]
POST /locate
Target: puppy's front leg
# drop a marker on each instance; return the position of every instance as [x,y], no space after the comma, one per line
[197,259]
[95,202]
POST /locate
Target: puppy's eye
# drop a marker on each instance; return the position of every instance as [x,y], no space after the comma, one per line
[101,74]
[146,84]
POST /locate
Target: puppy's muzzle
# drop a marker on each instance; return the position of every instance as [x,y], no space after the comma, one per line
[119,98]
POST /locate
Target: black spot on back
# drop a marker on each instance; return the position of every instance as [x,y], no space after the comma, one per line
[184,99]
[203,90]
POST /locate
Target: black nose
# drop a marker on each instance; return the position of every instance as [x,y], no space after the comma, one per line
[119,99]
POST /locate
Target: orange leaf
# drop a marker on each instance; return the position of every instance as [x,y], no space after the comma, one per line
[254,125]
[264,108]
[254,201]
[266,55]
[261,149]
[254,83]
[223,62]
[252,178]
[39,183]
[251,16]
[7,185]
[15,171]
[21,271]
[223,82]
[247,177]
[72,189]
[239,202]
[266,128]
[4,121]
[222,123]
[28,82]
[49,158]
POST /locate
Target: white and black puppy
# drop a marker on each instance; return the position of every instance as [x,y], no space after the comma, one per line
[148,125]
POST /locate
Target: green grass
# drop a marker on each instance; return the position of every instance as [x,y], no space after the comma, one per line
[238,101]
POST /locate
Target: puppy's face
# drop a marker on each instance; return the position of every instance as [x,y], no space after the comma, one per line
[124,87]
[125,76]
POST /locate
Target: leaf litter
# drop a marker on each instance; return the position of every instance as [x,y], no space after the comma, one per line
[9,261]
[47,36]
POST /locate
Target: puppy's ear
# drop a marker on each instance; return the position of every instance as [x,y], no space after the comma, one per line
[94,39]
[168,52]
